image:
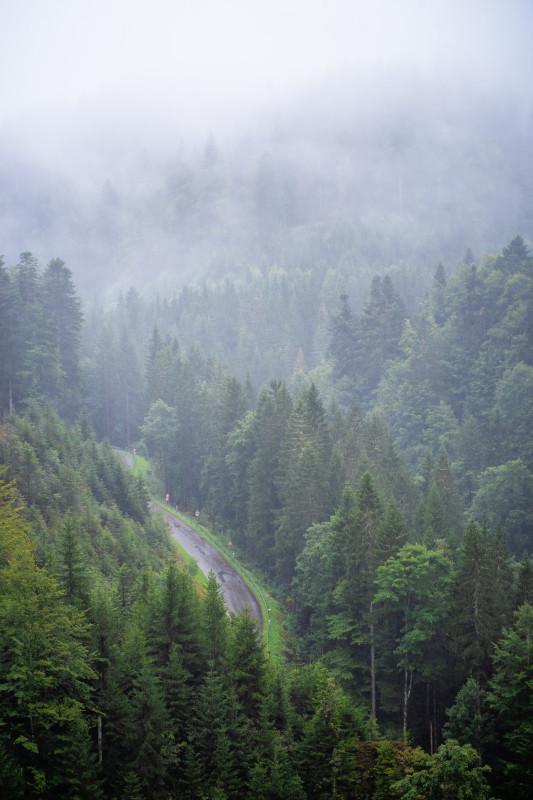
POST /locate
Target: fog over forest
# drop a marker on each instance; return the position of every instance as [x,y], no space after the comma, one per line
[277,258]
[149,146]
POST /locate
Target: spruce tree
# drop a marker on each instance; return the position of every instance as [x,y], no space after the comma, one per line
[72,564]
[271,418]
[64,318]
[511,697]
[524,588]
[215,623]
[352,626]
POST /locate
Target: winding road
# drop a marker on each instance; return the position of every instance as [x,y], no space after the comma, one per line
[237,593]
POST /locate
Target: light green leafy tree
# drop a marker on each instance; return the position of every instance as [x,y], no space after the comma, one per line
[453,775]
[414,585]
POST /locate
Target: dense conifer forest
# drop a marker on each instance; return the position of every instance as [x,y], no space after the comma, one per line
[373,462]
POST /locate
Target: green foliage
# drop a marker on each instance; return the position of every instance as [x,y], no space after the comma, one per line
[303,479]
[481,599]
[514,399]
[185,699]
[453,774]
[468,719]
[524,588]
[246,661]
[504,495]
[216,633]
[270,423]
[45,677]
[41,337]
[511,698]
[415,586]
[72,563]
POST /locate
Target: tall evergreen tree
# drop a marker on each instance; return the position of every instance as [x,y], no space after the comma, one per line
[33,358]
[227,408]
[342,346]
[64,318]
[380,331]
[524,587]
[511,697]
[303,479]
[352,626]
[247,662]
[7,341]
[215,624]
[72,567]
[130,389]
[475,613]
[271,418]
[45,675]
[177,619]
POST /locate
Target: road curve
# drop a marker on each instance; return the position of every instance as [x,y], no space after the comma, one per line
[237,593]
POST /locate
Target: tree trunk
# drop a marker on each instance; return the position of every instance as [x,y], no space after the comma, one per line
[127,419]
[407,686]
[434,721]
[372,666]
[429,716]
[99,738]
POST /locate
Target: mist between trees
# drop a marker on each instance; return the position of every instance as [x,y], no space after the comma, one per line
[381,484]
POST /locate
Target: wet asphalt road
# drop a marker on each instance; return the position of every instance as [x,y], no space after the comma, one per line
[237,593]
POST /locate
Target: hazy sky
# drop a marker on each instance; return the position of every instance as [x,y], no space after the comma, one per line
[98,89]
[75,65]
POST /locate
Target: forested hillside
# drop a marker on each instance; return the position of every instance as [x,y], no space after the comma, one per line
[373,460]
[266,310]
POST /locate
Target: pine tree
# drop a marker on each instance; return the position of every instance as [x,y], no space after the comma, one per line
[481,598]
[215,624]
[342,346]
[216,734]
[302,479]
[445,482]
[524,588]
[7,341]
[246,666]
[136,720]
[155,346]
[392,535]
[64,318]
[352,626]
[381,326]
[104,397]
[271,418]
[73,570]
[32,357]
[45,674]
[227,408]
[177,620]
[130,389]
[511,697]
[437,300]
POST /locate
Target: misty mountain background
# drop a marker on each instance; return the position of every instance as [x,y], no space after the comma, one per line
[393,173]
